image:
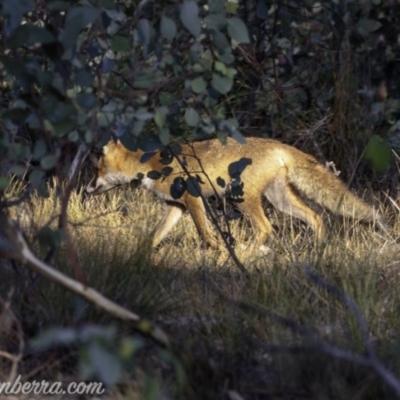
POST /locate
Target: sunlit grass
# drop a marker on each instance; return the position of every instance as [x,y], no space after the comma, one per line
[188,289]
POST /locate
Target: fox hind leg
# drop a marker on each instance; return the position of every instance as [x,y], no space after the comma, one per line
[286,199]
[171,217]
[254,210]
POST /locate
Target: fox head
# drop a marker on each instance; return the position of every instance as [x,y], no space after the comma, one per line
[111,168]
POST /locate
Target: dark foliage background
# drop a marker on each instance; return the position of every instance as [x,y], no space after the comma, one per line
[322,76]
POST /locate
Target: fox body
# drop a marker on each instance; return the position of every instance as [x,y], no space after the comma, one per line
[261,167]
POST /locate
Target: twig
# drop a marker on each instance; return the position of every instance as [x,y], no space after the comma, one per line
[230,249]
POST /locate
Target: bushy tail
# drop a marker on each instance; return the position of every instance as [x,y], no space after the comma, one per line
[320,185]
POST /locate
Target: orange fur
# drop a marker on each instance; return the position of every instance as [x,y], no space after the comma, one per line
[265,167]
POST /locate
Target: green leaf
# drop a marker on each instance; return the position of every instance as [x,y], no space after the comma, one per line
[18,170]
[15,114]
[221,84]
[54,336]
[77,19]
[144,31]
[159,118]
[232,7]
[15,9]
[151,388]
[235,134]
[143,80]
[36,177]
[49,161]
[13,67]
[4,182]
[220,41]
[26,35]
[378,153]
[198,85]
[215,6]
[164,135]
[220,67]
[215,21]
[106,365]
[39,149]
[120,42]
[64,126]
[369,25]
[192,117]
[190,17]
[238,30]
[168,27]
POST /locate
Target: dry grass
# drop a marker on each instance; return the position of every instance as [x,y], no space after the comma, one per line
[190,291]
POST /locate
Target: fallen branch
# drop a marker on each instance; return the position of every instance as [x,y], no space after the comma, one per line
[13,245]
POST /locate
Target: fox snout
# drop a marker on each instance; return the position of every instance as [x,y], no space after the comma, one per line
[102,184]
[97,186]
[91,187]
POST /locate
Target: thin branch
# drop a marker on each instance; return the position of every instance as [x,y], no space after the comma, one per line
[230,249]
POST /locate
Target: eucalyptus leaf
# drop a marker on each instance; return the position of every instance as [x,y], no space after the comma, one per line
[36,177]
[15,9]
[190,17]
[106,366]
[77,19]
[39,149]
[144,33]
[192,117]
[221,83]
[49,161]
[168,27]
[238,30]
[4,182]
[198,84]
[164,135]
[369,25]
[215,21]
[216,6]
[120,42]
[26,35]
[378,153]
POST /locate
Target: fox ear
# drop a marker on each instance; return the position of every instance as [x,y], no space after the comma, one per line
[111,144]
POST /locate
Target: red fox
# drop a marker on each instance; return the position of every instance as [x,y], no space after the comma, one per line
[260,167]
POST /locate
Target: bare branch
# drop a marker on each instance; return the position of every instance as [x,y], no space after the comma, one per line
[79,158]
[230,249]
